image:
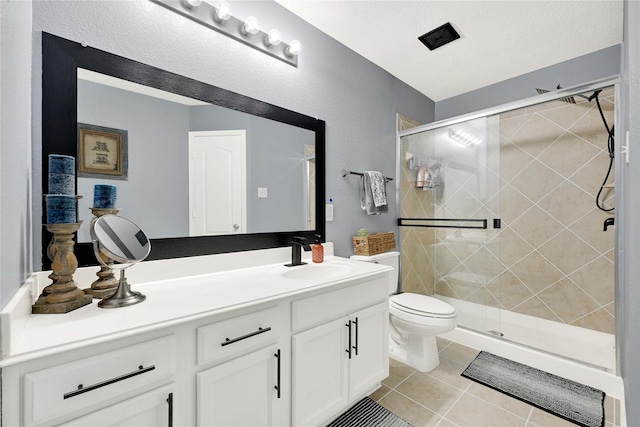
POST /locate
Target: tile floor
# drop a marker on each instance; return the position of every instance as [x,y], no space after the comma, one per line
[443,398]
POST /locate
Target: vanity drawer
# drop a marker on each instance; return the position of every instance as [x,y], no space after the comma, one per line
[237,335]
[331,305]
[71,387]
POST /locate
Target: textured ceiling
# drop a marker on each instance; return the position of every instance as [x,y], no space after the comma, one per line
[499,39]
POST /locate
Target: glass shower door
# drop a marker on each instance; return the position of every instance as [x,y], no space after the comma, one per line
[450,216]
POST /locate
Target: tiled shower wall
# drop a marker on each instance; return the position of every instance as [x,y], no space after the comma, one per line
[551,259]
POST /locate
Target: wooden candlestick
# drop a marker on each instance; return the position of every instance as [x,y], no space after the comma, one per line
[62,296]
[107,283]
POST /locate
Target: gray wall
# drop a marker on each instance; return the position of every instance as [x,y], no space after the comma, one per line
[15,147]
[628,298]
[597,65]
[155,196]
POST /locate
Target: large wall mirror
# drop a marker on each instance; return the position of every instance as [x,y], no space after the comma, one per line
[206,170]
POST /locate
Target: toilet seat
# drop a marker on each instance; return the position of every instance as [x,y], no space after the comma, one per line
[422,305]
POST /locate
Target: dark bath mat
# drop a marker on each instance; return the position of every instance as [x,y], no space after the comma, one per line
[368,413]
[575,402]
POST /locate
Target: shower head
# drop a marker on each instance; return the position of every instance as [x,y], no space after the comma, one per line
[568,99]
[571,99]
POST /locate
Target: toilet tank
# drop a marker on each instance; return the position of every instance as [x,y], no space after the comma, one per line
[392,259]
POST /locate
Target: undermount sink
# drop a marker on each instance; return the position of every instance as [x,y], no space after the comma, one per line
[318,271]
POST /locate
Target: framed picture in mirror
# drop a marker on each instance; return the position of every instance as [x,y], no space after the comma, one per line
[102,152]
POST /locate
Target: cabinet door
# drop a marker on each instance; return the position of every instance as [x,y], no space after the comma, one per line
[369,363]
[319,358]
[151,409]
[242,392]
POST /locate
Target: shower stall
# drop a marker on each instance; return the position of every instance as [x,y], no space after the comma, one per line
[502,214]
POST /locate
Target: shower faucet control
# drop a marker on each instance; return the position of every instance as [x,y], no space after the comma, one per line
[608,222]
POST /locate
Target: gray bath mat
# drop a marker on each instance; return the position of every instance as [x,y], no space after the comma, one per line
[578,403]
[368,413]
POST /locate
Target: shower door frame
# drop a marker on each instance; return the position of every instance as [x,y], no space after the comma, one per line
[528,102]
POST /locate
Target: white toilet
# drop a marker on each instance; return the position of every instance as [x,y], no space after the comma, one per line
[414,320]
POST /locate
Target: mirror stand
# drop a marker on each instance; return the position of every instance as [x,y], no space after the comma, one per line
[123,296]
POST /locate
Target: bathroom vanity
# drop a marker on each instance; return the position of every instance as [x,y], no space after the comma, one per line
[228,339]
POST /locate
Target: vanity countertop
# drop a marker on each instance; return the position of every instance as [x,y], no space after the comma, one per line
[169,301]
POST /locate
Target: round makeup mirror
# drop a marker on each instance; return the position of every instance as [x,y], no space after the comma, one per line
[124,244]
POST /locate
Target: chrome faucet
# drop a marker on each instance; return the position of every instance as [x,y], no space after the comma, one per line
[297,244]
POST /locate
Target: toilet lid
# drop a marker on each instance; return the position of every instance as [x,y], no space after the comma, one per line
[422,304]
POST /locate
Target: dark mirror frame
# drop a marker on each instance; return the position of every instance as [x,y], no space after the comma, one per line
[60,60]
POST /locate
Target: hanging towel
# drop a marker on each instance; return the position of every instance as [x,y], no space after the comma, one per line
[373,193]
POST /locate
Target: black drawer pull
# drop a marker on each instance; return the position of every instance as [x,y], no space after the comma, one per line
[82,389]
[252,334]
[277,355]
[170,403]
[349,347]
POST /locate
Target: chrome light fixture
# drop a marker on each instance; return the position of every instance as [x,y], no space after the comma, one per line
[218,17]
[465,138]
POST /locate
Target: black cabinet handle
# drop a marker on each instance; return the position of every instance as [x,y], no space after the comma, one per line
[348,325]
[277,355]
[82,389]
[244,337]
[355,347]
[170,403]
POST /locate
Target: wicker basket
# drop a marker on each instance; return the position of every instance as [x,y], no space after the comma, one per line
[374,243]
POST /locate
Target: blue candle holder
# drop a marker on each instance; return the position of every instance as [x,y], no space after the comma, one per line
[61,208]
[62,174]
[104,196]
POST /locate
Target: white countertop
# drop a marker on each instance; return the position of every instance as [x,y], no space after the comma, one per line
[228,285]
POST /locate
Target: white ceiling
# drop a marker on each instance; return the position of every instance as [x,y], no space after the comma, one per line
[499,39]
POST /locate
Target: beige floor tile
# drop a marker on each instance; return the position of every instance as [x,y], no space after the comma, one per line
[544,419]
[459,353]
[409,410]
[608,409]
[442,343]
[446,423]
[470,411]
[501,400]
[397,373]
[429,392]
[449,371]
[380,393]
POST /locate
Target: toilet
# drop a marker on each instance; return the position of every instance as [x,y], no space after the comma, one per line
[414,320]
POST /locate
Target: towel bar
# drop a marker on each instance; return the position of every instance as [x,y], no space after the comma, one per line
[346,172]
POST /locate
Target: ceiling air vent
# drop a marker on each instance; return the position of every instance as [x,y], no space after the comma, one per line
[440,36]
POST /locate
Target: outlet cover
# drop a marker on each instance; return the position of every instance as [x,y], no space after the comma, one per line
[262,192]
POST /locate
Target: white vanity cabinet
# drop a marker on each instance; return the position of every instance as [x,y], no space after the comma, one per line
[117,383]
[152,409]
[344,357]
[251,386]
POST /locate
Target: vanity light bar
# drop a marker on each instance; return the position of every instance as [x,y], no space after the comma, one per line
[207,15]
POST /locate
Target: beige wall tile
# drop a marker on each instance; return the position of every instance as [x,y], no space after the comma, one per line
[512,161]
[536,180]
[597,280]
[512,291]
[599,320]
[568,154]
[537,272]
[536,135]
[536,226]
[568,252]
[568,301]
[535,307]
[590,229]
[567,203]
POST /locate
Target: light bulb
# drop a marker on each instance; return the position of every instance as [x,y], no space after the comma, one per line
[222,12]
[193,3]
[251,25]
[273,38]
[294,48]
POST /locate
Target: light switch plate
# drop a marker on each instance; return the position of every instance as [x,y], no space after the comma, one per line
[329,212]
[262,192]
